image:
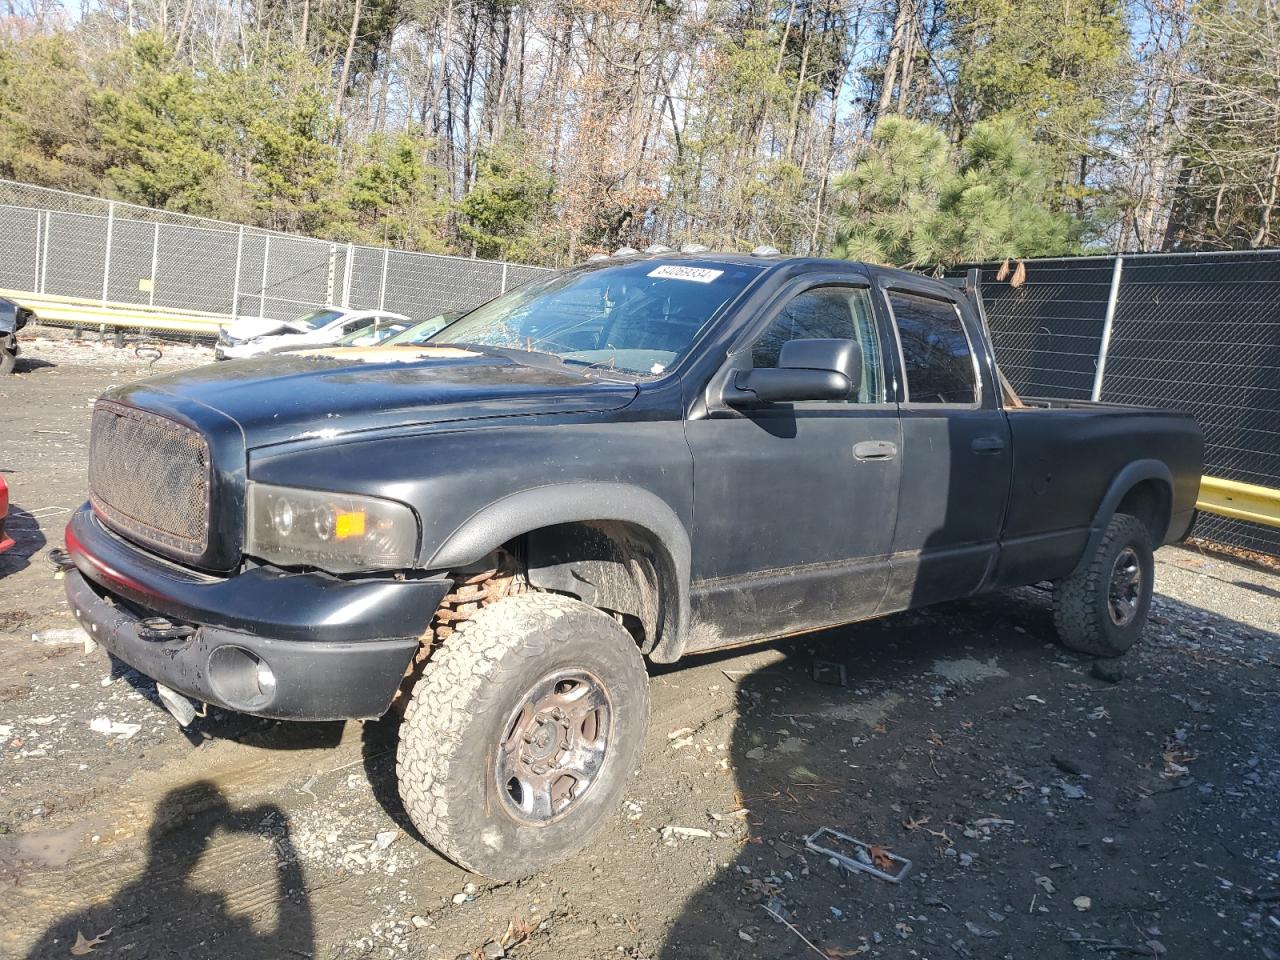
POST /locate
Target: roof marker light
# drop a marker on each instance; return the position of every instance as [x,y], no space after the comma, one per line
[597,256]
[625,252]
[693,248]
[657,248]
[764,250]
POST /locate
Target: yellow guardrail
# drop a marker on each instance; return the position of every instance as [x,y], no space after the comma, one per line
[91,313]
[1241,501]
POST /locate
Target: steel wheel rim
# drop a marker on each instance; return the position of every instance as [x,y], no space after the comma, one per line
[1125,590]
[553,747]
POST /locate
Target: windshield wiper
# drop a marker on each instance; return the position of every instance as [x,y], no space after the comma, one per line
[517,354]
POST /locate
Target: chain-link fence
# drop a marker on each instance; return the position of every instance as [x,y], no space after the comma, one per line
[69,245]
[1196,332]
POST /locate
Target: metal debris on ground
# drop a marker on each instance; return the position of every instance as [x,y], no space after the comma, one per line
[776,911]
[853,854]
[59,635]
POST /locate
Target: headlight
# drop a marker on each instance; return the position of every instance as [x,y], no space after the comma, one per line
[338,532]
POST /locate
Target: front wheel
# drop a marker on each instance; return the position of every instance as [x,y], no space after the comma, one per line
[8,361]
[521,733]
[1102,608]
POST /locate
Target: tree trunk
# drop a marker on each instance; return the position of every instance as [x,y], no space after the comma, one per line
[182,28]
[346,61]
[908,65]
[1273,192]
[786,35]
[896,43]
[794,124]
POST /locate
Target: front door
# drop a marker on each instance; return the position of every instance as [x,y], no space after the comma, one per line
[795,503]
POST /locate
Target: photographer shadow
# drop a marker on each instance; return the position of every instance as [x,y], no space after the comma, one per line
[166,913]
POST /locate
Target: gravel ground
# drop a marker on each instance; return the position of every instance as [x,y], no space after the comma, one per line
[1050,807]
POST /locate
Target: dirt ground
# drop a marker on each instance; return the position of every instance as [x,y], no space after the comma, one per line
[1050,809]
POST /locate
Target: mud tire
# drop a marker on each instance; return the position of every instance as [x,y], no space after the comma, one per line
[8,361]
[459,711]
[1081,601]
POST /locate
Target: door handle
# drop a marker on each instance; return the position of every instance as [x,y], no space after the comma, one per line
[875,450]
[987,445]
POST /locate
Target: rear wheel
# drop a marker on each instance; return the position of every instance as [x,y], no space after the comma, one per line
[519,736]
[8,360]
[1102,608]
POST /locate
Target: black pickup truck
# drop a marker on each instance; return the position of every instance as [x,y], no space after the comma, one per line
[642,457]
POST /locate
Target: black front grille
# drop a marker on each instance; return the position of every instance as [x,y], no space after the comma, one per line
[149,478]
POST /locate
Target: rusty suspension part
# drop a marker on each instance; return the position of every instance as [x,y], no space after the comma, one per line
[472,590]
[496,576]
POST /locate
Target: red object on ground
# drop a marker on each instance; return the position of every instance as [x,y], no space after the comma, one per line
[5,542]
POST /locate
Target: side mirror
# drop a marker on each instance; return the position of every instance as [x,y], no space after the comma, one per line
[807,370]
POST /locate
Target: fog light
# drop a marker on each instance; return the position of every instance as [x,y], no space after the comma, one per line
[266,680]
[241,679]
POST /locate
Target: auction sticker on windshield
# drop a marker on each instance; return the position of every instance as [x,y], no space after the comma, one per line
[673,271]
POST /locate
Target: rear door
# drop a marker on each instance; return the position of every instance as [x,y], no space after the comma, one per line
[794,503]
[956,453]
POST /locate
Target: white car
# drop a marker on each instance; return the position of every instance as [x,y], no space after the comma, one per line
[252,336]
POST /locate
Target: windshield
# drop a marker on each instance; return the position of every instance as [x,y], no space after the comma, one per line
[317,319]
[378,332]
[640,316]
[420,332]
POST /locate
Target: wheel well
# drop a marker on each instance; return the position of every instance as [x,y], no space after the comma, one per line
[1150,501]
[613,565]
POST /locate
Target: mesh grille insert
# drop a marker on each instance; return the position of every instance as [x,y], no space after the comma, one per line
[149,478]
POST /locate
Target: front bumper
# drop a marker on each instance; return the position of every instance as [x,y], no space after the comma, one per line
[337,648]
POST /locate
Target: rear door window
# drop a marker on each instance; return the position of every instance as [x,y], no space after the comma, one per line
[936,357]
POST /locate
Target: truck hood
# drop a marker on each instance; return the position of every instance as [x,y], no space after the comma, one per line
[283,397]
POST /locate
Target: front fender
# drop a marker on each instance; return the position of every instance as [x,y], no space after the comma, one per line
[553,504]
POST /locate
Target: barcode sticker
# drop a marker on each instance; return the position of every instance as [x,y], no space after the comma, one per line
[674,271]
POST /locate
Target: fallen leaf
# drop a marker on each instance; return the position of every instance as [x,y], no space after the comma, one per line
[880,857]
[83,946]
[763,887]
[914,824]
[519,930]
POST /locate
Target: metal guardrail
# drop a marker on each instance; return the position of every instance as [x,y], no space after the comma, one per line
[80,312]
[1240,501]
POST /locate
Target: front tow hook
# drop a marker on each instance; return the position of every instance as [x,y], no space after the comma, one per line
[159,629]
